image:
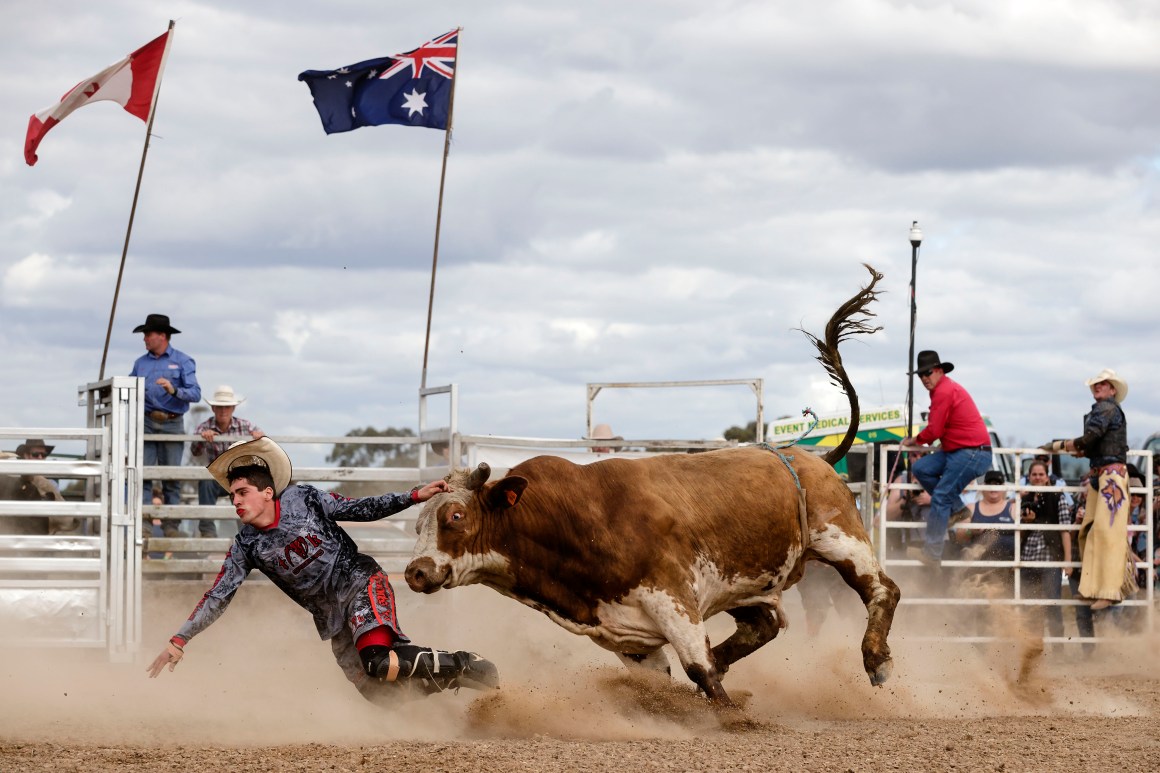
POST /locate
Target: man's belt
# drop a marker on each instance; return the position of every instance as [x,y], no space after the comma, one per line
[162,415]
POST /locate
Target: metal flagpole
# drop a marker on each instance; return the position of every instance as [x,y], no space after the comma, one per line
[439,211]
[915,240]
[136,193]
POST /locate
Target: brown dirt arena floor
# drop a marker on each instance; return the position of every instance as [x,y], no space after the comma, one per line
[259,692]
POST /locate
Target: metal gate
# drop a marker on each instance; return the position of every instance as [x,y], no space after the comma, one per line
[79,589]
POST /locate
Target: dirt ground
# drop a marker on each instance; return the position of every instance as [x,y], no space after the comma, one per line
[259,692]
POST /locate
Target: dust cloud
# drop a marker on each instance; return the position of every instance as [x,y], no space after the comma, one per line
[260,676]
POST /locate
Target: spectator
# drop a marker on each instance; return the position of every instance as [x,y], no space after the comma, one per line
[1138,539]
[603,432]
[1054,480]
[993,508]
[906,505]
[223,422]
[1107,575]
[1044,508]
[33,488]
[291,534]
[170,387]
[964,455]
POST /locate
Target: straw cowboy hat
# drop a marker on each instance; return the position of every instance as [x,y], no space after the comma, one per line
[1109,375]
[156,323]
[262,451]
[34,442]
[224,395]
[929,359]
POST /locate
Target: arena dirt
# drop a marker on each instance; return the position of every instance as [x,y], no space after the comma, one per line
[259,692]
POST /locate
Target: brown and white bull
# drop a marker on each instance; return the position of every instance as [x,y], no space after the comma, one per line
[636,554]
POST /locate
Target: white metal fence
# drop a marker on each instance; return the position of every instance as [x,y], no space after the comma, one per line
[84,589]
[947,595]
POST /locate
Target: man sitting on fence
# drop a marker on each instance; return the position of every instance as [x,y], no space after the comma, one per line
[291,535]
[963,455]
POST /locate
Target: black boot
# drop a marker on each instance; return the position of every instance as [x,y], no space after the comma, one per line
[429,670]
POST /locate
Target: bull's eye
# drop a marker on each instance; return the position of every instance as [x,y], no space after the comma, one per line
[457,516]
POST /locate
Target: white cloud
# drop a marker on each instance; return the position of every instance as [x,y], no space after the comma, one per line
[630,196]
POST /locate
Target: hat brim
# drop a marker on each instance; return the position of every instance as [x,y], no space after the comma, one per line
[155,329]
[1119,383]
[946,367]
[223,403]
[244,452]
[24,447]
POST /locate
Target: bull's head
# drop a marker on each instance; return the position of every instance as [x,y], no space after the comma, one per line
[455,546]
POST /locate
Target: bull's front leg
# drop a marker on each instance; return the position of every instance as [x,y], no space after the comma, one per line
[707,678]
[681,625]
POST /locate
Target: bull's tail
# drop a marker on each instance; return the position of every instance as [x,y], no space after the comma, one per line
[849,319]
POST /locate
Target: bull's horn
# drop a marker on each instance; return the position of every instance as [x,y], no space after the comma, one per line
[478,477]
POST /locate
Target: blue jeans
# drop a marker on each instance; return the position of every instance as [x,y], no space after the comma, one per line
[944,476]
[161,454]
[1045,584]
[1083,614]
[208,492]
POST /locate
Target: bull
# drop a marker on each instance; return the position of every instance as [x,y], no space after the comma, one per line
[639,553]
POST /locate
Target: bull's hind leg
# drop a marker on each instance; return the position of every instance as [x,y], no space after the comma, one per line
[756,627]
[854,559]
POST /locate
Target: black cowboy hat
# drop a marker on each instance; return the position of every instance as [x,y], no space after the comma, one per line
[929,359]
[34,442]
[156,323]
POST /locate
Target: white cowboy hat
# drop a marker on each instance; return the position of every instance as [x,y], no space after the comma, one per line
[263,451]
[1107,374]
[224,395]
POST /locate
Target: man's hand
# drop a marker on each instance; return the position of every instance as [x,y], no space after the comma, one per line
[172,654]
[424,493]
[909,441]
[167,385]
[208,434]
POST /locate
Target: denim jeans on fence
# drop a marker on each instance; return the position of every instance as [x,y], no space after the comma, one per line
[208,492]
[944,476]
[163,454]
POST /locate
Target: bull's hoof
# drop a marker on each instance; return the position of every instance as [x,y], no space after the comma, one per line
[879,675]
[735,720]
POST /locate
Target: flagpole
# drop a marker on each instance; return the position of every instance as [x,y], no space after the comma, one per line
[439,210]
[137,192]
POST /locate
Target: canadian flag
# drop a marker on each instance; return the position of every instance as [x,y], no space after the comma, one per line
[131,83]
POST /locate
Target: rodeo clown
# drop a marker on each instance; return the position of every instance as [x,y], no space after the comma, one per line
[291,535]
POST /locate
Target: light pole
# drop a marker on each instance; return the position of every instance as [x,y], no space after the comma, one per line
[915,240]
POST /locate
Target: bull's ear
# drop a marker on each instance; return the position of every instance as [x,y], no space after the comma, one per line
[506,493]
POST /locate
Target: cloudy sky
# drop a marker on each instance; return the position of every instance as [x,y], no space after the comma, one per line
[647,191]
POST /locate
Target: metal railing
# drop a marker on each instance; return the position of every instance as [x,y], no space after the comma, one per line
[922,590]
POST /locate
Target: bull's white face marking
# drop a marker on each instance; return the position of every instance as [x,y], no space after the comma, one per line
[469,568]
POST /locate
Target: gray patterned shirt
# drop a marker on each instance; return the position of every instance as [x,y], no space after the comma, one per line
[305,553]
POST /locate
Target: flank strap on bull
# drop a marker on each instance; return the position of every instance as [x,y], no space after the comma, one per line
[803,518]
[787,443]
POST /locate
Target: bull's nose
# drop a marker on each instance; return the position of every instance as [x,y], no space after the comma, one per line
[419,575]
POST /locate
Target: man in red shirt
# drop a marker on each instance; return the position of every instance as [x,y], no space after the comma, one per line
[964,451]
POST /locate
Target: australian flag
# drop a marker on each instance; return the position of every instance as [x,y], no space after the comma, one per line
[413,89]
